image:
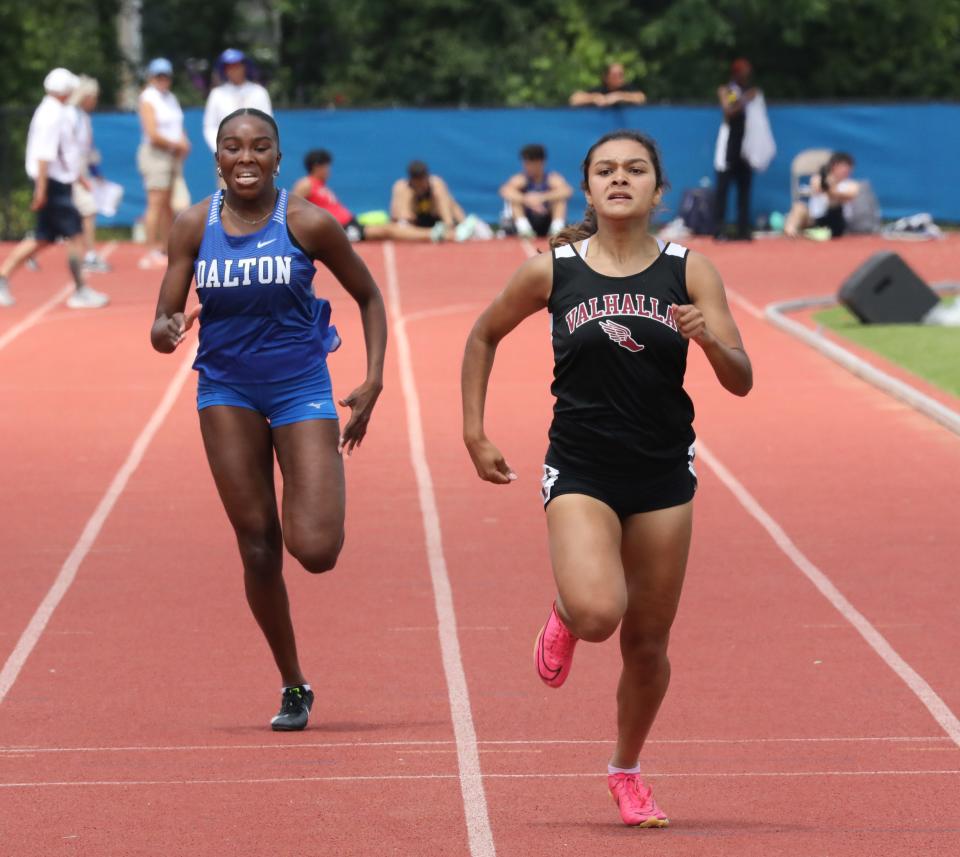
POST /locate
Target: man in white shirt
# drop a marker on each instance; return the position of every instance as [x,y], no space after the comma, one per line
[53,166]
[235,92]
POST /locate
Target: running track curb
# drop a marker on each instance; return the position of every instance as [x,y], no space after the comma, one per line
[776,315]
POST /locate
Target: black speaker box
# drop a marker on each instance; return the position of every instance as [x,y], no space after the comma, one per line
[885,290]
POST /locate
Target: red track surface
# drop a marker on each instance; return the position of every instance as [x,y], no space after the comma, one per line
[137,725]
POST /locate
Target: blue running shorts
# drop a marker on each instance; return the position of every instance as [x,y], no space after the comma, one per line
[307,397]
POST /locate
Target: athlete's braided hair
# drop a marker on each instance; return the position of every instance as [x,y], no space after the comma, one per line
[250,111]
[588,226]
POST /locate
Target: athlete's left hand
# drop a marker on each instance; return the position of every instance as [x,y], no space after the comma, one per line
[360,402]
[691,323]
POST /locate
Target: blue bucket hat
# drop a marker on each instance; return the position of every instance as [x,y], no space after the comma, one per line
[160,65]
[231,56]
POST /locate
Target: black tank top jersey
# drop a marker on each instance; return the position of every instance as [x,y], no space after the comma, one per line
[619,364]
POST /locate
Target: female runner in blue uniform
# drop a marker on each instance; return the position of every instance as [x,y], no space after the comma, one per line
[263,385]
[618,480]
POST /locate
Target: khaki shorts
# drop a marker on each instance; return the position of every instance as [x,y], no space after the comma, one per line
[83,200]
[158,167]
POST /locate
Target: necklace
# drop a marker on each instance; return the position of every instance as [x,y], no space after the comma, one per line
[244,219]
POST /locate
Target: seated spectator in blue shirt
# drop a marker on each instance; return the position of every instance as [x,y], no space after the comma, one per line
[535,201]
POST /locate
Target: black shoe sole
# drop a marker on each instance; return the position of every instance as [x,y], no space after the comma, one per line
[280,727]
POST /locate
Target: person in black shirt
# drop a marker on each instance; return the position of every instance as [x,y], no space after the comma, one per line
[612,91]
[423,199]
[734,97]
[618,480]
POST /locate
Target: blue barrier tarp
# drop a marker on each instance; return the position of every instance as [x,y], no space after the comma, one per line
[904,150]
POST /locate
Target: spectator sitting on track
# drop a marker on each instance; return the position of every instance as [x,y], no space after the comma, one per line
[49,141]
[163,148]
[84,101]
[424,200]
[234,92]
[614,90]
[536,200]
[831,189]
[314,188]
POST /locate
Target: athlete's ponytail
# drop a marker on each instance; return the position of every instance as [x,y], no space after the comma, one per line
[584,229]
[588,226]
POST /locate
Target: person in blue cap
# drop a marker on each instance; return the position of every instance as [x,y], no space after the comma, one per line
[235,92]
[163,148]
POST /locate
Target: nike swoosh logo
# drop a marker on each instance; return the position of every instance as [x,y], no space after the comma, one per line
[543,662]
[265,243]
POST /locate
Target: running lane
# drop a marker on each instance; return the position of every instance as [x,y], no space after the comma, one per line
[75,389]
[138,725]
[783,731]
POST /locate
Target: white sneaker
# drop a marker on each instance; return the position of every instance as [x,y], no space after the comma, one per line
[466,228]
[153,259]
[96,265]
[482,231]
[438,232]
[556,227]
[6,299]
[87,298]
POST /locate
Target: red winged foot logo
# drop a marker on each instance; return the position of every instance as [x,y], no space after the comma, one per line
[621,335]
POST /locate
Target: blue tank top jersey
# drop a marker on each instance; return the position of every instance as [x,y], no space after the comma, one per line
[531,186]
[260,320]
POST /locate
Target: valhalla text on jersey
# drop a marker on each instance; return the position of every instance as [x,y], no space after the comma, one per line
[610,305]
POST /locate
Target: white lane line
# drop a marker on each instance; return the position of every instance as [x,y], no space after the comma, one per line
[30,320]
[743,303]
[655,775]
[68,571]
[450,309]
[471,783]
[921,689]
[379,745]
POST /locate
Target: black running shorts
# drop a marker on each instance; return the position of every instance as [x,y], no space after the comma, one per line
[59,218]
[666,484]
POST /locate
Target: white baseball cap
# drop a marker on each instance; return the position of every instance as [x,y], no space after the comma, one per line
[60,81]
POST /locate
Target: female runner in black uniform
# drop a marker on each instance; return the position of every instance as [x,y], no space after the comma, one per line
[618,480]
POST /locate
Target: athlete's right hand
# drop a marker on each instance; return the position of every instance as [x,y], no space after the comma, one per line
[168,335]
[490,462]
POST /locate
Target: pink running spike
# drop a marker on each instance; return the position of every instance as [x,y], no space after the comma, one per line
[635,799]
[553,652]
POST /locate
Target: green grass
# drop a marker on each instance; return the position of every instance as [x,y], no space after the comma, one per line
[114,233]
[932,353]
